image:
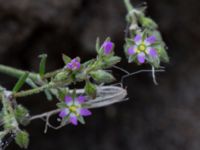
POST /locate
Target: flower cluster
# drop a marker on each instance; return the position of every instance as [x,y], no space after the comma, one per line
[143,48]
[73,109]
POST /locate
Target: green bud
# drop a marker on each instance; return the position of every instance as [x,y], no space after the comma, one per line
[101,76]
[22,139]
[90,89]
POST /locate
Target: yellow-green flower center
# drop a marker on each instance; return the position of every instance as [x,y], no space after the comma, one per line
[73,109]
[142,47]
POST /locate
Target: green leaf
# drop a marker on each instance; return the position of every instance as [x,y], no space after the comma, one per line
[111,61]
[90,89]
[89,63]
[66,59]
[147,22]
[42,64]
[161,47]
[22,139]
[153,61]
[61,105]
[20,82]
[163,55]
[101,76]
[22,115]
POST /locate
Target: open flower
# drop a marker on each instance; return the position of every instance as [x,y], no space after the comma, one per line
[74,64]
[143,48]
[74,109]
[108,47]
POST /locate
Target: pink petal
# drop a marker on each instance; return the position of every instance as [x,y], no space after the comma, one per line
[150,40]
[64,113]
[141,57]
[85,112]
[68,99]
[138,39]
[81,99]
[131,50]
[73,119]
[153,52]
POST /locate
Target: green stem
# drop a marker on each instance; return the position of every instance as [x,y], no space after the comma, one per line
[39,89]
[128,5]
[16,72]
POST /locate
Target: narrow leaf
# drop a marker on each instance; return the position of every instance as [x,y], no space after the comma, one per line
[42,64]
[20,82]
[48,94]
[97,44]
[81,119]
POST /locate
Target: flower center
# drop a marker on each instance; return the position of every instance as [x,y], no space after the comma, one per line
[73,109]
[142,47]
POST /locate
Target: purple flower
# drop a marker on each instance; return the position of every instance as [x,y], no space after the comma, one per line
[143,48]
[73,65]
[74,109]
[108,47]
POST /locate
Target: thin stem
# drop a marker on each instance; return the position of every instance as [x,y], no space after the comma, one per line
[139,71]
[49,113]
[38,90]
[16,72]
[128,5]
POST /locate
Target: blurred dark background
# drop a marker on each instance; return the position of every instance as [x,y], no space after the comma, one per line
[164,117]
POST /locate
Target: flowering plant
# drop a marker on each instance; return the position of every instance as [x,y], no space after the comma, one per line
[143,44]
